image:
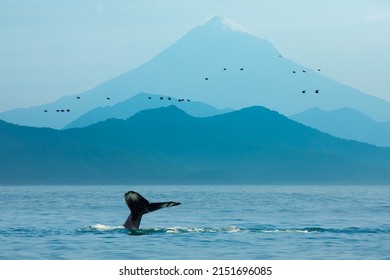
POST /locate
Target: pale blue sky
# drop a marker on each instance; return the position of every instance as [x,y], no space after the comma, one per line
[52,48]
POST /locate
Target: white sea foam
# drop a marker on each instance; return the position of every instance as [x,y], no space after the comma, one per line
[100,227]
[203,230]
[178,229]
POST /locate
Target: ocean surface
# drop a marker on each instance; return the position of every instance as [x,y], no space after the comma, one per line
[213,222]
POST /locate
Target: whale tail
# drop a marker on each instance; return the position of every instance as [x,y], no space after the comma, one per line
[139,206]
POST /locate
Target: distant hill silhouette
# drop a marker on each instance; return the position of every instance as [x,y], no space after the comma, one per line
[167,146]
[143,101]
[347,123]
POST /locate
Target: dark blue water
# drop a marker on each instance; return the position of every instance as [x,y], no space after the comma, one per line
[213,222]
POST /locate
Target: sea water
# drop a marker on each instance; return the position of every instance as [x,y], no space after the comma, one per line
[213,222]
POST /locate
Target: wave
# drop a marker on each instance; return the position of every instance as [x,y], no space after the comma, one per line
[99,228]
[109,229]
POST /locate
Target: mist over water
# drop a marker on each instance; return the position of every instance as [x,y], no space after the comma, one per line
[213,222]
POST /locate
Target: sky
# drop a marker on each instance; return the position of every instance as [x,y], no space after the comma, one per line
[53,48]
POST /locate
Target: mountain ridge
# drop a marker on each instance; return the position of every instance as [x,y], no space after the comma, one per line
[167,146]
[143,101]
[347,123]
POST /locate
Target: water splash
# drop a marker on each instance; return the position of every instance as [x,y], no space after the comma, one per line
[99,228]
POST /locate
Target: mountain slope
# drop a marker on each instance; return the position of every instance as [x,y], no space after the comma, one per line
[166,145]
[347,123]
[205,65]
[140,102]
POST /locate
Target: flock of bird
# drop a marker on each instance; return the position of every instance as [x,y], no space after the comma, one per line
[68,110]
[294,72]
[108,98]
[224,69]
[169,98]
[304,71]
[317,91]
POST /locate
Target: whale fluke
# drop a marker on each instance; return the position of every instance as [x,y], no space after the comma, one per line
[139,206]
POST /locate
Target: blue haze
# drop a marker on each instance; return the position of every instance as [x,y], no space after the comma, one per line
[62,47]
[347,123]
[267,79]
[218,222]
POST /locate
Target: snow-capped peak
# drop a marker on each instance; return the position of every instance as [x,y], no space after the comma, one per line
[225,23]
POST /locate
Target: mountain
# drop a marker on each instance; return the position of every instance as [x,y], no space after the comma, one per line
[220,65]
[140,102]
[167,146]
[347,123]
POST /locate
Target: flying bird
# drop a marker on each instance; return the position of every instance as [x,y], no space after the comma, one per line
[317,91]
